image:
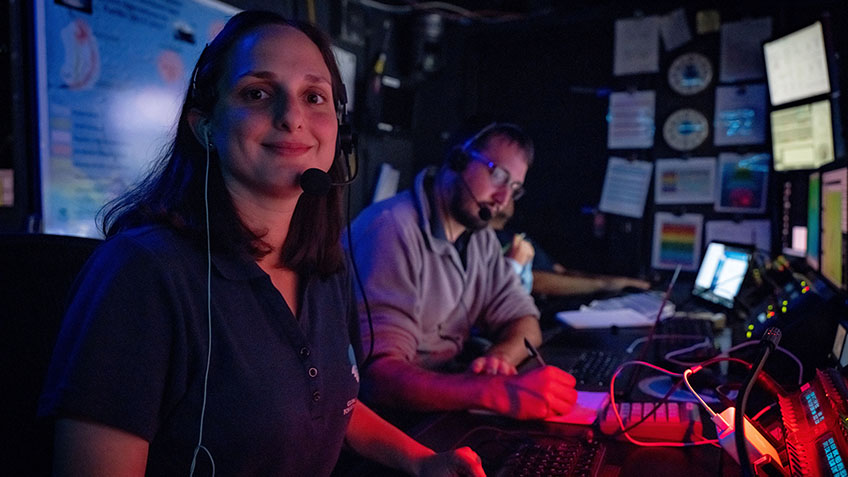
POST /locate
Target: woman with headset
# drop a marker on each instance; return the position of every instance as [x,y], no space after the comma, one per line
[215,330]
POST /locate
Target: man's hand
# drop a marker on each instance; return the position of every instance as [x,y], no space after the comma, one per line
[520,250]
[615,284]
[459,462]
[492,365]
[537,394]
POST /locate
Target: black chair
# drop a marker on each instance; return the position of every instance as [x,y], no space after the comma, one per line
[36,274]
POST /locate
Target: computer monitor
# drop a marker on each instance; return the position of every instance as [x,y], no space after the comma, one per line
[834,197]
[802,136]
[722,271]
[796,65]
[838,351]
[813,241]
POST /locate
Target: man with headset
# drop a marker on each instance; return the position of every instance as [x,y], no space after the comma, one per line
[433,274]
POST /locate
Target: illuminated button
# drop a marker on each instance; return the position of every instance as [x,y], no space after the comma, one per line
[304,352]
[313,372]
[316,396]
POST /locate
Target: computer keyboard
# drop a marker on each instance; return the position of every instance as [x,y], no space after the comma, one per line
[593,368]
[554,457]
[672,421]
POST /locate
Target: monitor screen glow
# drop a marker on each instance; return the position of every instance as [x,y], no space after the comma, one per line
[796,65]
[839,342]
[802,136]
[721,274]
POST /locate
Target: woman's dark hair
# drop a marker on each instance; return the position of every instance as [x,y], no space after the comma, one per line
[172,192]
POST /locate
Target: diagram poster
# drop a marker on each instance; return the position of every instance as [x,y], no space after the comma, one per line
[742,184]
[689,181]
[677,241]
[110,78]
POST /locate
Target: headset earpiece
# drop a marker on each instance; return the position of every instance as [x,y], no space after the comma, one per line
[458,159]
[345,139]
[204,130]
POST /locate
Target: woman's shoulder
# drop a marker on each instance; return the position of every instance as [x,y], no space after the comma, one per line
[148,241]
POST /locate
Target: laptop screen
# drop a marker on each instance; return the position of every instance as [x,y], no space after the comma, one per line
[722,271]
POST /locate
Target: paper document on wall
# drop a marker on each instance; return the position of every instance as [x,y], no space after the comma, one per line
[630,120]
[625,187]
[637,46]
[586,319]
[675,29]
[752,232]
[741,49]
[387,183]
[740,115]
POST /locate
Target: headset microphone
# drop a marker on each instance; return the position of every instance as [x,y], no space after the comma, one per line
[485,213]
[317,182]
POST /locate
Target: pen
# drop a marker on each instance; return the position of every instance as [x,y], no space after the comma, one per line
[508,245]
[534,352]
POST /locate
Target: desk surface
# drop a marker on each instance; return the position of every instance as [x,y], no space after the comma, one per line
[444,431]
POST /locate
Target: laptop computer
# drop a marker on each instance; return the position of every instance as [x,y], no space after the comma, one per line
[591,357]
[723,269]
[718,282]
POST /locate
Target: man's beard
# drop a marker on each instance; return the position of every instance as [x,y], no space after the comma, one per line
[457,208]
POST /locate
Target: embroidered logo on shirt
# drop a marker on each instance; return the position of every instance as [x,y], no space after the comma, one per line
[353,369]
[350,405]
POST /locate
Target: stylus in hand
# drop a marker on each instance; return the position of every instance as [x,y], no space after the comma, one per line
[534,352]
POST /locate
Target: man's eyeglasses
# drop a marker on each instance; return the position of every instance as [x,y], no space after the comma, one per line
[500,177]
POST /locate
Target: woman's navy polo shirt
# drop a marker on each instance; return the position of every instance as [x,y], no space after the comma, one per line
[133,348]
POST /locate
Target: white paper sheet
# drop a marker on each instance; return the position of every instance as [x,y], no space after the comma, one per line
[741,49]
[625,187]
[751,232]
[631,120]
[637,46]
[587,319]
[675,29]
[387,183]
[589,405]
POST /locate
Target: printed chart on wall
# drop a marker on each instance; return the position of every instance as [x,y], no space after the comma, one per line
[685,181]
[742,183]
[110,78]
[677,241]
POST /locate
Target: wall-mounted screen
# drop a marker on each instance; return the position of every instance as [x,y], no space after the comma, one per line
[802,136]
[813,242]
[834,226]
[796,65]
[110,78]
